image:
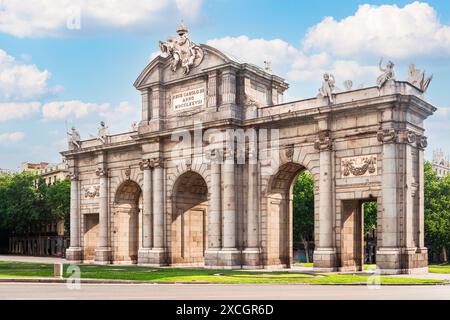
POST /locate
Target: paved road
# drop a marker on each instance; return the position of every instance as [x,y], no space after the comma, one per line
[223,292]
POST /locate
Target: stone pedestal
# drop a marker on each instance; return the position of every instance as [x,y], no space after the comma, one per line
[212,258]
[325,260]
[103,255]
[230,259]
[157,257]
[402,260]
[251,258]
[144,256]
[74,255]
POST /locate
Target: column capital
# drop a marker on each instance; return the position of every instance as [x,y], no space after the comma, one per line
[389,135]
[73,176]
[101,172]
[145,164]
[323,142]
[157,162]
[422,142]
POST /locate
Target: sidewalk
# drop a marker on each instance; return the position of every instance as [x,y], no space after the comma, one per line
[32,259]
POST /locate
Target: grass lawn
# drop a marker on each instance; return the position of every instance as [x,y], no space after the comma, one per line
[439,268]
[20,269]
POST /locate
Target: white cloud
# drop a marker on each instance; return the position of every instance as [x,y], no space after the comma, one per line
[256,51]
[52,17]
[388,30]
[11,137]
[15,111]
[342,70]
[120,118]
[20,81]
[58,110]
[293,63]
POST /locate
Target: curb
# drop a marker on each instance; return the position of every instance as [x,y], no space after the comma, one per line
[108,281]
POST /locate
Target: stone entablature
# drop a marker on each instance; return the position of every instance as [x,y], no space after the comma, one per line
[175,203]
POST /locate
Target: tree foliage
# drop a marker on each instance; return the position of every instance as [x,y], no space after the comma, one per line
[370,217]
[303,211]
[437,211]
[26,202]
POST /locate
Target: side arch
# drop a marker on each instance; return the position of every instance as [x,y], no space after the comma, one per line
[126,221]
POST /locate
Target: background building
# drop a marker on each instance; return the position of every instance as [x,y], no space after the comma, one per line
[440,164]
[55,172]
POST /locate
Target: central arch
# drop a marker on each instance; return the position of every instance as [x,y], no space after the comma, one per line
[280,215]
[189,220]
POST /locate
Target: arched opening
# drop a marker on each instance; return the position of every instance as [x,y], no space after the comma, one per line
[189,220]
[284,246]
[127,206]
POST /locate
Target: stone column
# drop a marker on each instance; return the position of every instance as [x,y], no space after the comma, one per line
[214,214]
[388,247]
[158,252]
[325,251]
[147,236]
[74,254]
[252,251]
[103,251]
[229,255]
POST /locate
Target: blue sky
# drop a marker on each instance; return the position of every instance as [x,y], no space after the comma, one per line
[50,74]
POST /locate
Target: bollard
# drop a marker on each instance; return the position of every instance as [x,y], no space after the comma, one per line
[58,270]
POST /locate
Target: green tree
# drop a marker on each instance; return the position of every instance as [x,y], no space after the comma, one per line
[437,211]
[58,201]
[370,217]
[22,204]
[303,211]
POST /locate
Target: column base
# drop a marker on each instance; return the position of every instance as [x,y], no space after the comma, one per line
[251,258]
[325,260]
[74,255]
[230,258]
[212,258]
[156,257]
[402,260]
[103,255]
[144,256]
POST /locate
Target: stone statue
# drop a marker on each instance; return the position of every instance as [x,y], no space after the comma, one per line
[182,50]
[102,134]
[134,126]
[388,73]
[74,138]
[328,87]
[348,85]
[417,78]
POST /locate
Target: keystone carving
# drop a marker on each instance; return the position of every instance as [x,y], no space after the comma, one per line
[289,152]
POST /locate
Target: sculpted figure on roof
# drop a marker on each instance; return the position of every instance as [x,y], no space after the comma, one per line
[183,51]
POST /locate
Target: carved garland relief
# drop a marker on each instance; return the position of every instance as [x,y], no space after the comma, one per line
[359,166]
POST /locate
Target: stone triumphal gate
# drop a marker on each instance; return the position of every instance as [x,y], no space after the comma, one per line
[156,195]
